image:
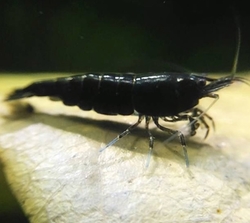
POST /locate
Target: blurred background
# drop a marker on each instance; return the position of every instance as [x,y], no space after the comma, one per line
[125,35]
[76,36]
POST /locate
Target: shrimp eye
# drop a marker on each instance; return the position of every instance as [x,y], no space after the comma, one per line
[202,82]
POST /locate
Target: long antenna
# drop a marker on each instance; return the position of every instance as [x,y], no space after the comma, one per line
[237,52]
